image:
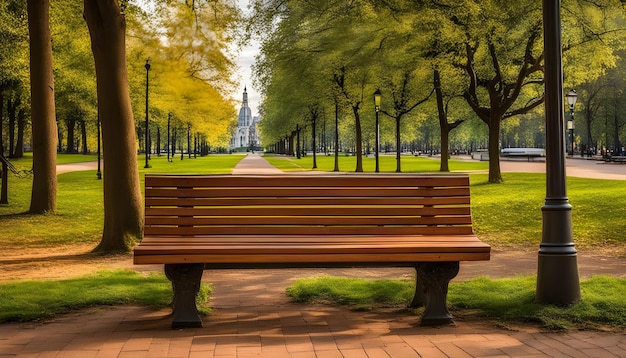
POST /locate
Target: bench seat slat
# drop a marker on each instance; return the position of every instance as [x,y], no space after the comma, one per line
[327,239]
[346,211]
[382,180]
[304,239]
[265,220]
[176,200]
[305,249]
[234,192]
[371,260]
[310,230]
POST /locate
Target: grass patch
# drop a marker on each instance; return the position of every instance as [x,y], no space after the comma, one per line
[353,292]
[33,300]
[74,158]
[508,301]
[509,214]
[79,218]
[505,215]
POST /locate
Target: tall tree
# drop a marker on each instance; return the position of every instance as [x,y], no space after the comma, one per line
[43,198]
[445,126]
[123,217]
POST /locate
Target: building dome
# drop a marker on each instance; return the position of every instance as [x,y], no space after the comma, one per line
[245,114]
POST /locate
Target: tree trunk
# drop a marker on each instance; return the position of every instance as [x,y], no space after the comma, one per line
[314,144]
[83,136]
[12,114]
[21,127]
[71,124]
[443,123]
[1,121]
[4,190]
[44,129]
[358,139]
[398,143]
[494,149]
[336,169]
[297,142]
[616,143]
[123,217]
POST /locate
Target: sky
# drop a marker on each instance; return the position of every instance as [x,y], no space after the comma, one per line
[245,61]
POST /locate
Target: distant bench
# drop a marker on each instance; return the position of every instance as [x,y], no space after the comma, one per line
[615,159]
[197,222]
[529,153]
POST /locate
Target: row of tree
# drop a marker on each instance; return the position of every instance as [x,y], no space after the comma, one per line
[68,64]
[442,61]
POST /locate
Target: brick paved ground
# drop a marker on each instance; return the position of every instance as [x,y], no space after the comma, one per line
[252,317]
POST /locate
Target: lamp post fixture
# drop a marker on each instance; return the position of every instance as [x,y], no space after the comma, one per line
[571,96]
[147,144]
[377,96]
[557,267]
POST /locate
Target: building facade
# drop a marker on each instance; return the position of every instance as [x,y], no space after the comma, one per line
[246,135]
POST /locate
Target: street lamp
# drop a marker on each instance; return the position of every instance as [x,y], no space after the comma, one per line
[571,96]
[377,95]
[146,144]
[557,267]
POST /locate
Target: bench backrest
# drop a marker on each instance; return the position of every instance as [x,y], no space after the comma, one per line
[349,204]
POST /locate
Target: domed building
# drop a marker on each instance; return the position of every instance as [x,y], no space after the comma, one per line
[246,136]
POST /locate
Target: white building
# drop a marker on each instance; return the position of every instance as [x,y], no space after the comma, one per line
[246,136]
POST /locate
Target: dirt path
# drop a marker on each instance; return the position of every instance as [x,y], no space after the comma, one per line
[65,262]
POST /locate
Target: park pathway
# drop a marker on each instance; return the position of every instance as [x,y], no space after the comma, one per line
[252,317]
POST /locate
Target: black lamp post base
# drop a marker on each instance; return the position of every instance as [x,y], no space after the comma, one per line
[557,279]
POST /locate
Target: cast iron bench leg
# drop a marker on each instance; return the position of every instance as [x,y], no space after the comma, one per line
[419,298]
[186,285]
[435,277]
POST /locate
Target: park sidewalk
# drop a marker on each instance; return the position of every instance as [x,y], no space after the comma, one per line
[252,317]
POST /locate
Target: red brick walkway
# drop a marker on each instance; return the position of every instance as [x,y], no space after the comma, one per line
[252,317]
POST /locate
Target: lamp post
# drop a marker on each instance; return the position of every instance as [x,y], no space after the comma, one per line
[557,267]
[571,96]
[146,144]
[377,95]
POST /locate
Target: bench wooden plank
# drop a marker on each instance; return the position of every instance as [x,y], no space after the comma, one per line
[256,181]
[177,200]
[348,260]
[417,240]
[311,230]
[288,220]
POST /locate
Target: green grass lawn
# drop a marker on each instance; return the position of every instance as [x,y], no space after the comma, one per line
[80,218]
[29,300]
[505,215]
[509,300]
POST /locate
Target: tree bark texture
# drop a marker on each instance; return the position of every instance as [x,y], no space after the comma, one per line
[44,128]
[21,128]
[123,213]
[358,139]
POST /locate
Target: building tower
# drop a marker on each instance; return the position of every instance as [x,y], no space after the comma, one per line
[246,135]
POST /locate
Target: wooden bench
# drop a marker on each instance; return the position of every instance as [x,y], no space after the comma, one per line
[197,222]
